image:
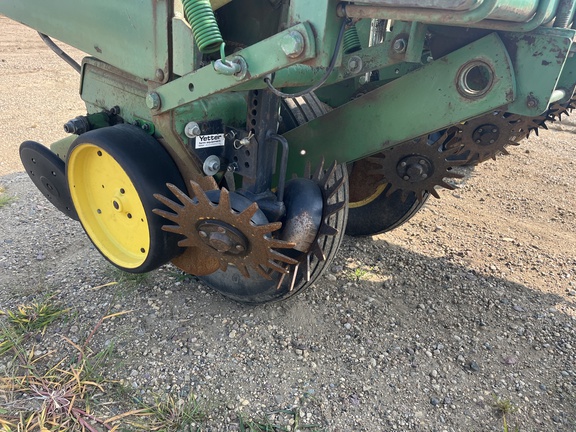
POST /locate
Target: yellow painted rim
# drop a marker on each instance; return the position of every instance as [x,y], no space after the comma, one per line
[108,206]
[368,200]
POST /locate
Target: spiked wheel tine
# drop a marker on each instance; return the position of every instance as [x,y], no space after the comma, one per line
[543,126]
[249,212]
[330,172]
[318,171]
[242,269]
[168,203]
[280,280]
[262,272]
[446,186]
[293,278]
[432,192]
[452,174]
[269,228]
[317,251]
[331,191]
[332,209]
[275,266]
[225,199]
[307,269]
[281,244]
[179,194]
[327,230]
[199,193]
[176,229]
[166,215]
[506,152]
[283,258]
[404,196]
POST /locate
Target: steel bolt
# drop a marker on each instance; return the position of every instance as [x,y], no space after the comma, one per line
[203,234]
[399,46]
[159,74]
[532,103]
[292,44]
[240,248]
[192,130]
[355,64]
[494,130]
[153,101]
[406,177]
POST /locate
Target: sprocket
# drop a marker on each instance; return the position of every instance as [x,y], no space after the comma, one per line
[228,229]
[485,137]
[419,166]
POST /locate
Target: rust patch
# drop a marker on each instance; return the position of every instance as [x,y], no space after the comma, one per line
[98,49]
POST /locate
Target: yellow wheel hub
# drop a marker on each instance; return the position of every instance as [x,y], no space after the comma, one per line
[108,206]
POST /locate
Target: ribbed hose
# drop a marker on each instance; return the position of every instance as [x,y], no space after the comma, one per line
[351,40]
[201,18]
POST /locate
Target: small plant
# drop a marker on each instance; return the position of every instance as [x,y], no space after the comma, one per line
[4,199]
[34,317]
[53,398]
[171,415]
[504,408]
[24,322]
[291,419]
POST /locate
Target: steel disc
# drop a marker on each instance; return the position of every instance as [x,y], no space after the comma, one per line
[48,172]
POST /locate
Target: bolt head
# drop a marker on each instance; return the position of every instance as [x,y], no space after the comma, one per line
[399,46]
[203,234]
[153,101]
[192,130]
[292,44]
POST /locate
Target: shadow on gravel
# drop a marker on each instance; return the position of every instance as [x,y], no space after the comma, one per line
[408,342]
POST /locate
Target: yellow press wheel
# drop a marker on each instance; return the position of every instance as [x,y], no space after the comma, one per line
[112,175]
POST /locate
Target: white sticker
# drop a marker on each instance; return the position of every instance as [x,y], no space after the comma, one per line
[214,140]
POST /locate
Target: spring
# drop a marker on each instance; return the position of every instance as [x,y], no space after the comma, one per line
[201,18]
[351,40]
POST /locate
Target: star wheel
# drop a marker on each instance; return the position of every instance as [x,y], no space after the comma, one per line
[226,229]
[235,246]
[485,137]
[418,167]
[112,192]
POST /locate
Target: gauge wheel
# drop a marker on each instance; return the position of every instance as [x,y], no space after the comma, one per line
[371,210]
[112,174]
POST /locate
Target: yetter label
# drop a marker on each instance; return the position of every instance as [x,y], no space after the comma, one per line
[214,140]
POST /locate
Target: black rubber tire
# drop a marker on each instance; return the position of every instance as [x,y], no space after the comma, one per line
[149,167]
[383,214]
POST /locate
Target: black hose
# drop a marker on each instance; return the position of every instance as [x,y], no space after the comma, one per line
[324,78]
[60,53]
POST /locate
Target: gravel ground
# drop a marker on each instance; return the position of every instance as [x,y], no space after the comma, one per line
[419,329]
